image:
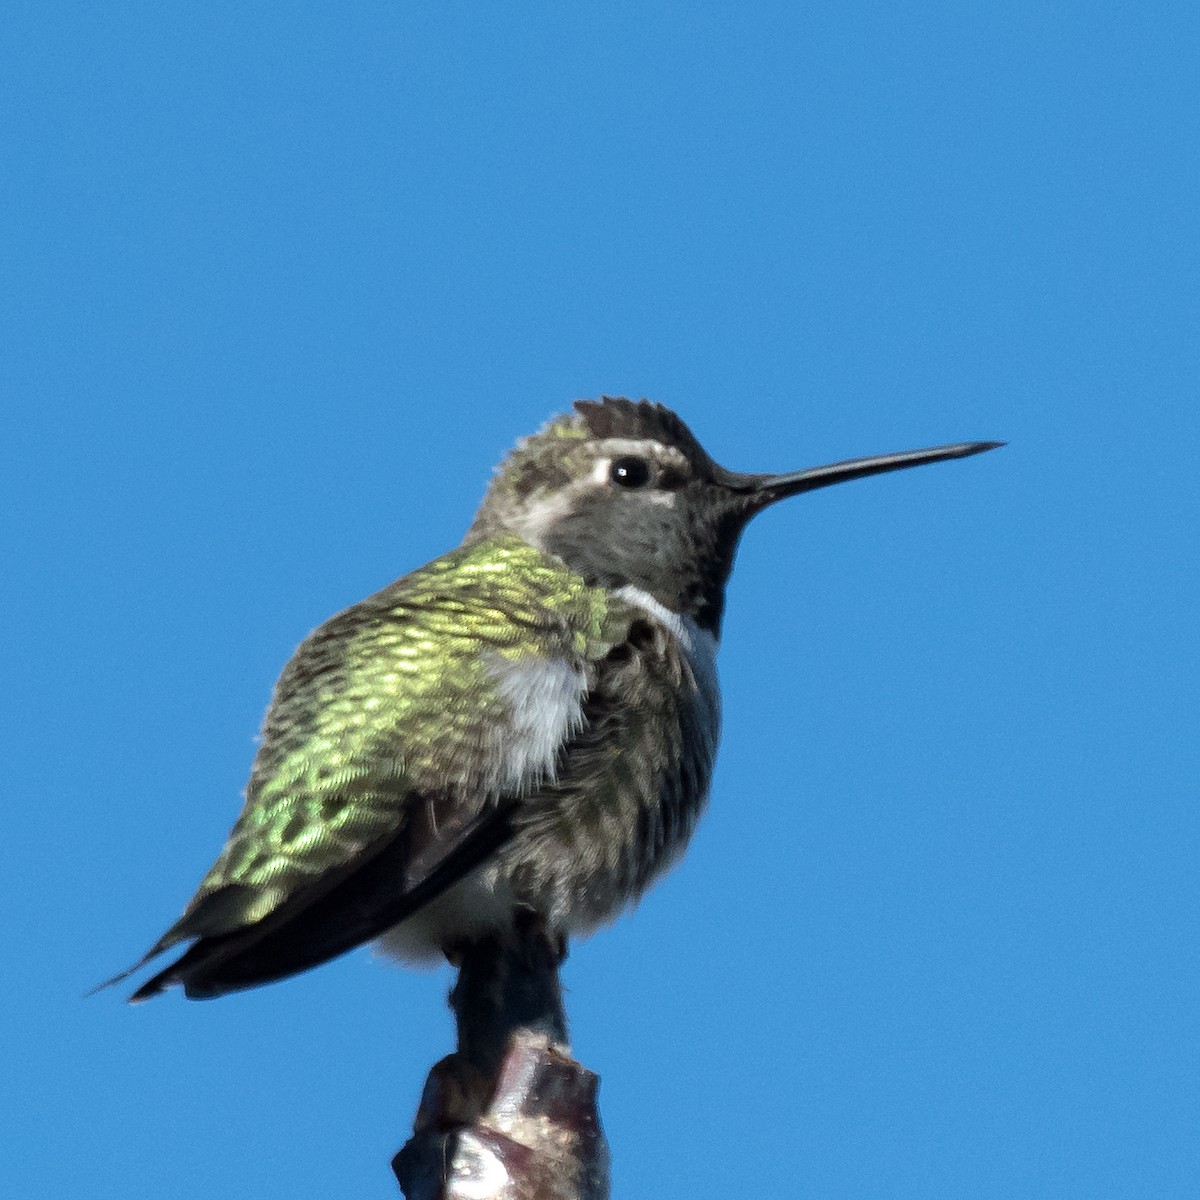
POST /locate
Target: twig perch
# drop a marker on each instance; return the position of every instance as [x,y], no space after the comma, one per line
[509,1115]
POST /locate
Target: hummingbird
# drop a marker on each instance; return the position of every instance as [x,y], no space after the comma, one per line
[527,724]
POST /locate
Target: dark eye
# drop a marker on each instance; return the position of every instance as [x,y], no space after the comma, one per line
[629,472]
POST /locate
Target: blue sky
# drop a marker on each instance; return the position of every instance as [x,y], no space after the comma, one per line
[281,287]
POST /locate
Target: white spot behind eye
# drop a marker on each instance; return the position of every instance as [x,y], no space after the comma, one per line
[600,469]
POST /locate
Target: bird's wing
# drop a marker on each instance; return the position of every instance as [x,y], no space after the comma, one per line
[400,736]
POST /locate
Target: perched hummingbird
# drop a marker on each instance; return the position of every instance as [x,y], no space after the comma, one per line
[526,724]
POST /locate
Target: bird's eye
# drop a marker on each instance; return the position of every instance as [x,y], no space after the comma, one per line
[629,472]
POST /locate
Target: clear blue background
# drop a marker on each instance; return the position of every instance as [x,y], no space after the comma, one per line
[280,288]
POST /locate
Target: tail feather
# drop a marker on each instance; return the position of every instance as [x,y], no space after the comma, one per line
[158,948]
[322,921]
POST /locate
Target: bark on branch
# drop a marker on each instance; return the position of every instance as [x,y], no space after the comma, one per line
[509,1115]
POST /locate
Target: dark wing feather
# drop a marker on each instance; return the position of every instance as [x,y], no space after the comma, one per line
[344,909]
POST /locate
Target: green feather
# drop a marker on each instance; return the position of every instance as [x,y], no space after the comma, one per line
[394,698]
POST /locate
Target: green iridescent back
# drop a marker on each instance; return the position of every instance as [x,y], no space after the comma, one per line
[333,775]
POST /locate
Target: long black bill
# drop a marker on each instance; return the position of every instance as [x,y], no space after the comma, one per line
[766,489]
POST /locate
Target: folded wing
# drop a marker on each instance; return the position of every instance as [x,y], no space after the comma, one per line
[401,740]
